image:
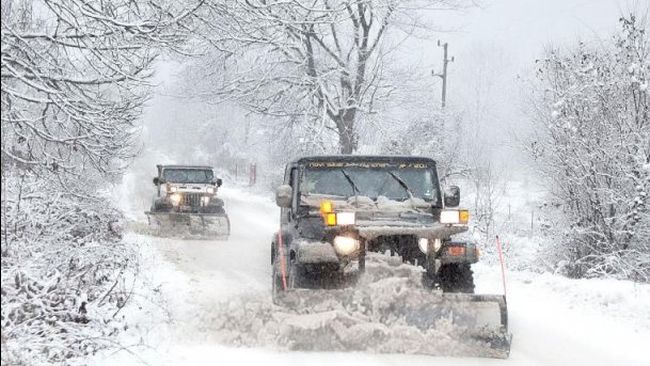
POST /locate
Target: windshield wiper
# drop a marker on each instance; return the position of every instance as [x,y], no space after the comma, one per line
[404,185]
[355,189]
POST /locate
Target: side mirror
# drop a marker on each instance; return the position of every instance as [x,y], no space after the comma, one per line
[452,196]
[217,182]
[156,181]
[283,195]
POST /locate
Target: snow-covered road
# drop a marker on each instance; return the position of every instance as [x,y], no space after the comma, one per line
[555,321]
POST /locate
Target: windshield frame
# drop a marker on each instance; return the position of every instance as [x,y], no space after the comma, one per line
[435,201]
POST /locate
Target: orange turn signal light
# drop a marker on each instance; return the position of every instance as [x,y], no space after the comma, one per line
[326,206]
[330,219]
[463,216]
[327,211]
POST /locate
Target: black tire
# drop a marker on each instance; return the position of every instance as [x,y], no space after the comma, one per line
[456,278]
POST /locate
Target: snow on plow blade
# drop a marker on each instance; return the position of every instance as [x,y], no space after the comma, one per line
[412,321]
[388,310]
[385,310]
[185,224]
[483,319]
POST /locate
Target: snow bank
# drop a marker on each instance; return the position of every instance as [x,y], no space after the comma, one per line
[150,317]
[624,301]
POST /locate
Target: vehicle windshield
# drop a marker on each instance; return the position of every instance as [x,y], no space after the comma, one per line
[176,175]
[370,182]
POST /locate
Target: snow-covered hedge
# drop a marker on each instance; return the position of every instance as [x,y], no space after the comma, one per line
[75,76]
[593,116]
[66,273]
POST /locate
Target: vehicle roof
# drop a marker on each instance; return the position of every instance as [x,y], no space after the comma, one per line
[186,166]
[372,158]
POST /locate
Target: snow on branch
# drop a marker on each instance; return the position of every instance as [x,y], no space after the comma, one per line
[592,110]
[322,61]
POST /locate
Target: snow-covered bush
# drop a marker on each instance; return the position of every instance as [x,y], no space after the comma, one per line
[74,80]
[63,271]
[592,108]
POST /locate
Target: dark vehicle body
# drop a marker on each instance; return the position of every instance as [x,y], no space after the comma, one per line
[335,209]
[389,203]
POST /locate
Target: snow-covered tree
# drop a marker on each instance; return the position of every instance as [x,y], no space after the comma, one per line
[74,79]
[592,110]
[320,63]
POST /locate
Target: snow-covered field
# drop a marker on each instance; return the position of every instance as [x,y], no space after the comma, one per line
[195,295]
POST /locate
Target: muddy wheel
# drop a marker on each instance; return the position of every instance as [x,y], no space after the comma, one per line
[456,278]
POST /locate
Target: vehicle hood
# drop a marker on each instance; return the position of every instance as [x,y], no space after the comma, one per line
[369,209]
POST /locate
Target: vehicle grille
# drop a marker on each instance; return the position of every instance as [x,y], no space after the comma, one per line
[406,246]
[191,199]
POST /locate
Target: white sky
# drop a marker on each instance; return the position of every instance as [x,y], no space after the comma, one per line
[498,42]
[523,27]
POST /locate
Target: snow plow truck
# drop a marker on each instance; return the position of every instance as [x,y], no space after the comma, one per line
[338,210]
[186,203]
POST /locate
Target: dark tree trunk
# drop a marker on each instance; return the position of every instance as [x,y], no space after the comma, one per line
[348,139]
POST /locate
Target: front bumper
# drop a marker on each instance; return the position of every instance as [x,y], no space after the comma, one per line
[319,252]
[372,230]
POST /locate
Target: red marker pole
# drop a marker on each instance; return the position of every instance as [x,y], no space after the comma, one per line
[283,265]
[503,266]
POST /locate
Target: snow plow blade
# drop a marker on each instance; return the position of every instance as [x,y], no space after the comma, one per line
[457,325]
[483,319]
[389,310]
[189,225]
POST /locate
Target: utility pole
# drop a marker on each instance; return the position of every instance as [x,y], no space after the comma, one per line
[443,76]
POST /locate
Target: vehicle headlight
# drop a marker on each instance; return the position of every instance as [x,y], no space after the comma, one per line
[454,216]
[175,199]
[170,188]
[345,245]
[423,244]
[210,190]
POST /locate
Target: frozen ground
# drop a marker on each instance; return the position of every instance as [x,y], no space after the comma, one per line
[204,303]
